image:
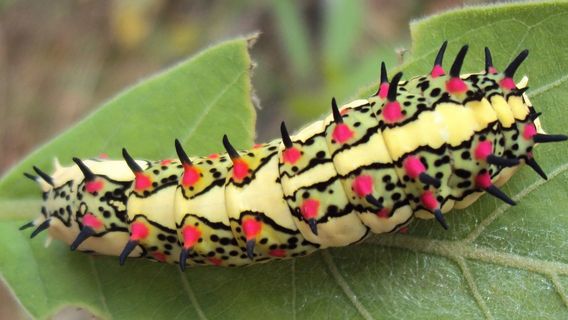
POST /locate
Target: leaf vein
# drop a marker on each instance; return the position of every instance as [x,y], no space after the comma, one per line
[191,296]
[345,286]
[473,287]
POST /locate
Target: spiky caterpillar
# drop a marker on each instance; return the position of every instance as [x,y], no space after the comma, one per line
[416,148]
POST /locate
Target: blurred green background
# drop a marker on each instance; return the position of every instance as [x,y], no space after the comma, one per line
[61,59]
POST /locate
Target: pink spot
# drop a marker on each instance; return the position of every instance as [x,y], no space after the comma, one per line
[142,181]
[310,208]
[403,230]
[456,85]
[138,230]
[392,112]
[413,166]
[257,145]
[342,133]
[94,186]
[492,70]
[383,90]
[251,228]
[240,169]
[529,131]
[437,71]
[383,213]
[344,111]
[508,83]
[483,149]
[89,220]
[280,253]
[483,180]
[429,200]
[291,155]
[215,261]
[190,176]
[363,185]
[190,236]
[165,162]
[213,156]
[159,256]
[103,156]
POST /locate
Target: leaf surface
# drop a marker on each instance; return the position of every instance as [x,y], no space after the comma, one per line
[495,262]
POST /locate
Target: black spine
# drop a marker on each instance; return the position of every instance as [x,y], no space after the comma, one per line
[393,87]
[458,62]
[514,65]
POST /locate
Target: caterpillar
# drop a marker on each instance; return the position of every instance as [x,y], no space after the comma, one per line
[416,148]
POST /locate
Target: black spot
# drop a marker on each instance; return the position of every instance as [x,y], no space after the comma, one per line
[320,154]
[171,239]
[462,173]
[466,155]
[332,209]
[464,184]
[161,237]
[214,238]
[439,162]
[435,92]
[263,241]
[220,250]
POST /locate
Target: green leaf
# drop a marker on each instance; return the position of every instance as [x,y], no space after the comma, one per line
[495,262]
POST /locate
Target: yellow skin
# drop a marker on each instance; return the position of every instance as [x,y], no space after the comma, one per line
[281,193]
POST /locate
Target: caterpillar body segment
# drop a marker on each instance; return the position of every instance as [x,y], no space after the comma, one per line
[417,148]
